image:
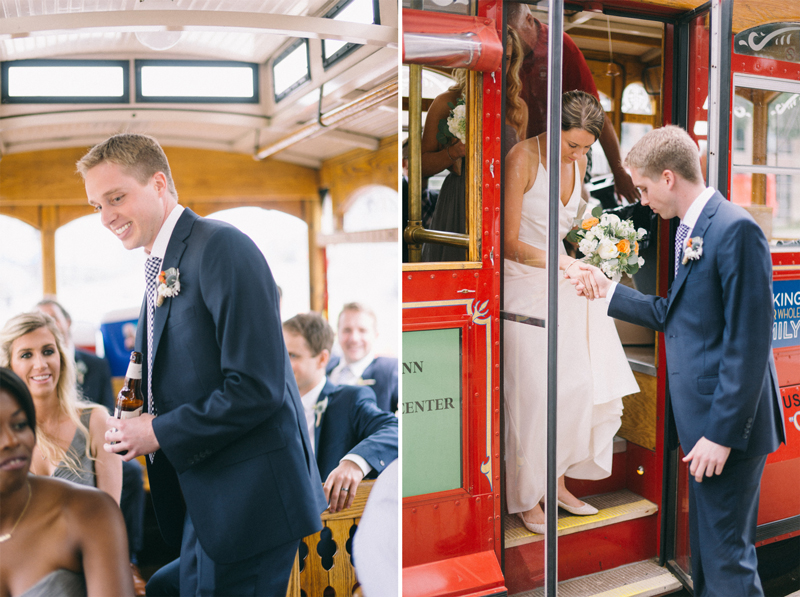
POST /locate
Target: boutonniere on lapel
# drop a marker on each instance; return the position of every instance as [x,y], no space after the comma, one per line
[693,249]
[319,410]
[80,371]
[364,382]
[169,285]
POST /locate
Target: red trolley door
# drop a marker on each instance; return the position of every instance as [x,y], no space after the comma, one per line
[450,383]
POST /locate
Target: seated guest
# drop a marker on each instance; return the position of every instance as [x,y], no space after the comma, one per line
[358,329]
[352,438]
[93,377]
[56,538]
[71,432]
[92,374]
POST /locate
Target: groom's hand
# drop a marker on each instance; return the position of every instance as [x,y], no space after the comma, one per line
[707,458]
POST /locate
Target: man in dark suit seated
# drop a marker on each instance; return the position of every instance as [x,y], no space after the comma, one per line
[352,438]
[94,382]
[358,328]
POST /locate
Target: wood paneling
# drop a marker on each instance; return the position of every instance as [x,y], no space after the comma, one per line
[345,174]
[639,414]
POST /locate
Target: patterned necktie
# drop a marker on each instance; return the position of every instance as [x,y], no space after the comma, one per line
[680,238]
[152,267]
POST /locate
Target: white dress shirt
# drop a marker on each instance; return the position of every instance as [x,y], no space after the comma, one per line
[349,373]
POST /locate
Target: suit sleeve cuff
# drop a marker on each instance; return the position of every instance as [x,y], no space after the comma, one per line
[362,464]
[610,292]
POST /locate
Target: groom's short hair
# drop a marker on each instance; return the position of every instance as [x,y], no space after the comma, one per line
[666,148]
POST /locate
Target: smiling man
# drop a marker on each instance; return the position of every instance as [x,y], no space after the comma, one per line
[224,431]
[358,329]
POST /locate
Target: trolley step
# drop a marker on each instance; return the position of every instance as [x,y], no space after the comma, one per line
[614,507]
[641,579]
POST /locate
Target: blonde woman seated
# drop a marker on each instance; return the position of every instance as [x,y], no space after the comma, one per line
[56,538]
[71,431]
[593,371]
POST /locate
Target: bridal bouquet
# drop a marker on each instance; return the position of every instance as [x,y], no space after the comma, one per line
[609,243]
[454,127]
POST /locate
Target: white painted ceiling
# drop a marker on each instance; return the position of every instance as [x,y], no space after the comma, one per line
[244,30]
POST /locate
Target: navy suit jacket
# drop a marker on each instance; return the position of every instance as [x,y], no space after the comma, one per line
[95,384]
[717,324]
[353,424]
[381,376]
[234,444]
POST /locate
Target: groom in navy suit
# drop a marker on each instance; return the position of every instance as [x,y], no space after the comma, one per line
[717,324]
[352,437]
[231,476]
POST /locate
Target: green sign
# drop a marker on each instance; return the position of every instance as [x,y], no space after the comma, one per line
[431,411]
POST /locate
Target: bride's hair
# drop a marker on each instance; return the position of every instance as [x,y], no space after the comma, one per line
[515,107]
[581,110]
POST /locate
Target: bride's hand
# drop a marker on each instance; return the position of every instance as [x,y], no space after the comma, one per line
[582,276]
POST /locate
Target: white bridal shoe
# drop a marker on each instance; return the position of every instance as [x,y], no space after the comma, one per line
[532,526]
[585,510]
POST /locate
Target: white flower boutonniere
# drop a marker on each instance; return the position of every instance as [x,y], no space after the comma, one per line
[80,371]
[169,285]
[319,410]
[693,250]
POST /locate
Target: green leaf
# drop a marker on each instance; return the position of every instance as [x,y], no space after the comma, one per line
[574,236]
[633,268]
[597,211]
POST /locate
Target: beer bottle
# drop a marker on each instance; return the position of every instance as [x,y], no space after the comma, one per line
[129,400]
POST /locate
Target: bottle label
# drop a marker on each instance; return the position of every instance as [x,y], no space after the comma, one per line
[134,371]
[128,414]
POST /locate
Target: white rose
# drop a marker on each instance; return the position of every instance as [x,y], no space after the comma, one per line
[607,249]
[609,220]
[588,246]
[641,233]
[641,261]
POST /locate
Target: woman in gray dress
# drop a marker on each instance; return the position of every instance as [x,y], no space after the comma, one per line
[56,538]
[71,431]
[450,214]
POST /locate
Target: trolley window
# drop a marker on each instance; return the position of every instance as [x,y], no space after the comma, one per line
[65,81]
[353,11]
[290,69]
[196,81]
[766,174]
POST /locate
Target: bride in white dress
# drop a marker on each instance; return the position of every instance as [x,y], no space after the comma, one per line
[593,372]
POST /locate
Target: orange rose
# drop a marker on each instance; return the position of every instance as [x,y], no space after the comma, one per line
[624,246]
[162,278]
[636,247]
[589,222]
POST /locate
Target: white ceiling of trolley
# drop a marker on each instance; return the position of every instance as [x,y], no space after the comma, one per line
[241,30]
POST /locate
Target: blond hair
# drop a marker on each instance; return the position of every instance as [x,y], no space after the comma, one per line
[140,156]
[666,148]
[515,107]
[69,403]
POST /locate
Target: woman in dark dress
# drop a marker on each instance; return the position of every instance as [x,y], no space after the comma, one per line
[450,214]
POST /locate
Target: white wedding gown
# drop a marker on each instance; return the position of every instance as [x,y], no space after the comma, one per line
[593,372]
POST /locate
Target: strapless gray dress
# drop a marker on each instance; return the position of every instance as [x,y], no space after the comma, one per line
[61,582]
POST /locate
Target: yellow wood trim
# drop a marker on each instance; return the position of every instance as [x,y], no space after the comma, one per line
[441,265]
[344,175]
[639,414]
[474,179]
